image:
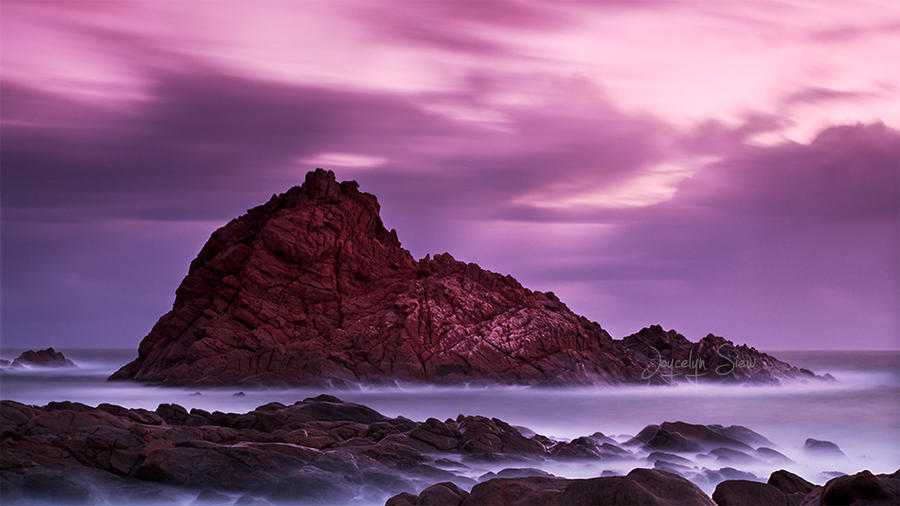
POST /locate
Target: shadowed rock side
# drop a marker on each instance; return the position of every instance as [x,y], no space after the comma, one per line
[311,287]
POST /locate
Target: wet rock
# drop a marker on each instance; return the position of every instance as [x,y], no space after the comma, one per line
[794,487]
[747,493]
[43,358]
[640,486]
[862,488]
[270,448]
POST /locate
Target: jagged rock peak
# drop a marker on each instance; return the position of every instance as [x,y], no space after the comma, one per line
[311,287]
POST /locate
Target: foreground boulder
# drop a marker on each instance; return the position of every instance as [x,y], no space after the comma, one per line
[863,488]
[785,488]
[320,450]
[311,288]
[795,488]
[641,486]
[747,493]
[43,358]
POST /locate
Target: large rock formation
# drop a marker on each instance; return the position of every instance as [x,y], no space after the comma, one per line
[311,287]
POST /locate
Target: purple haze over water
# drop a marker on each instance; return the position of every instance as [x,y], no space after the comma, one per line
[860,411]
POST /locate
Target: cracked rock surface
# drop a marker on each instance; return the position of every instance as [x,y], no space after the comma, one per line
[312,288]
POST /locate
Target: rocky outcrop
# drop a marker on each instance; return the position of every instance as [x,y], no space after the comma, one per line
[312,288]
[641,486]
[42,358]
[784,488]
[317,451]
[863,488]
[670,357]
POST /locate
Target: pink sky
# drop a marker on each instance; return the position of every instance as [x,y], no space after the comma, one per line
[726,167]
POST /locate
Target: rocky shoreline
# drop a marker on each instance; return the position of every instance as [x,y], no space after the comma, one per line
[322,450]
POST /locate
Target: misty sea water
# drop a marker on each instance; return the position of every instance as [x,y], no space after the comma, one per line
[860,412]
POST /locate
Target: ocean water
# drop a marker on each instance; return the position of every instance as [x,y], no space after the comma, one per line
[860,412]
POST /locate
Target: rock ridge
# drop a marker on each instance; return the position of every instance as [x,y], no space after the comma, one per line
[311,288]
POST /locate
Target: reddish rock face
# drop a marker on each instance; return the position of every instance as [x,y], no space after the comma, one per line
[311,287]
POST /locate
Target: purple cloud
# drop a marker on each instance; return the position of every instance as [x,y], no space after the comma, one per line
[625,161]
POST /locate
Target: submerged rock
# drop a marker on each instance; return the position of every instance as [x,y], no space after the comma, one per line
[785,488]
[43,358]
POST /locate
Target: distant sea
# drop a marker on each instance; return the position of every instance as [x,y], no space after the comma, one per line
[860,411]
